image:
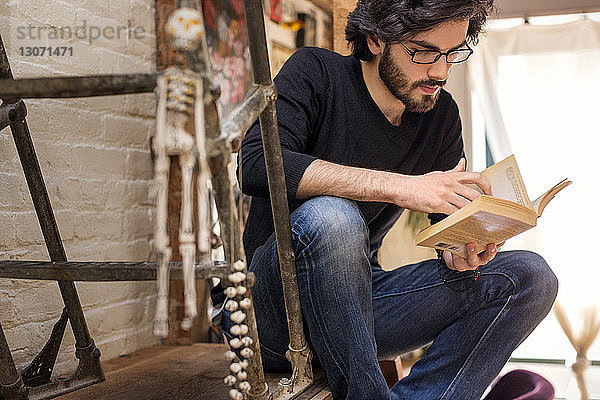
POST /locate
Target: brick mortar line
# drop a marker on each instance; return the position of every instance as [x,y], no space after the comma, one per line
[29,212]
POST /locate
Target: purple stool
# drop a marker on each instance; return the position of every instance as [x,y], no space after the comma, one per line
[521,385]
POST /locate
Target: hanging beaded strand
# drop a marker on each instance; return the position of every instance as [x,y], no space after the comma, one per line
[237,304]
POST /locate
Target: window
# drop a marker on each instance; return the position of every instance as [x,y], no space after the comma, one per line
[546,83]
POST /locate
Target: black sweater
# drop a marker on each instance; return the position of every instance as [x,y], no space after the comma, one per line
[325,111]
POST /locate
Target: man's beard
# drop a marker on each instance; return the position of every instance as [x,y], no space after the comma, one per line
[398,84]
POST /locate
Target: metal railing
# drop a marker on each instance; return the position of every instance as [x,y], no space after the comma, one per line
[259,102]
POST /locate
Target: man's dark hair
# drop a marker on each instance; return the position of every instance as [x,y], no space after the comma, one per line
[392,21]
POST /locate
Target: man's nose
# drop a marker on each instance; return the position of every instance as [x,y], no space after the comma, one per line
[439,70]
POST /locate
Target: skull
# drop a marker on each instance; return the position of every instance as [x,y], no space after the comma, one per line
[185,28]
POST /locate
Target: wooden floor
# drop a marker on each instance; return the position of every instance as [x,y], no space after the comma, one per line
[171,372]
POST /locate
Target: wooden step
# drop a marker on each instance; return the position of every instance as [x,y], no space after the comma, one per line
[175,372]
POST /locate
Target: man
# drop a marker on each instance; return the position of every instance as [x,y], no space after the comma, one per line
[363,138]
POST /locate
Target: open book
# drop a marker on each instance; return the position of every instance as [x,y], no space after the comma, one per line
[490,219]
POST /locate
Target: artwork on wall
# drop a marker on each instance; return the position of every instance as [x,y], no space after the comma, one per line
[288,11]
[228,50]
[307,35]
[276,10]
[279,55]
[327,34]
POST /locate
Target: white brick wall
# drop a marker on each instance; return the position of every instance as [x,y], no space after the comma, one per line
[94,155]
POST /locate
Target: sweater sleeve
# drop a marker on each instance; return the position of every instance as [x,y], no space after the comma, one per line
[301,86]
[452,151]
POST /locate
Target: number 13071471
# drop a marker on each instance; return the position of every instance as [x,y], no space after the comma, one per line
[46,51]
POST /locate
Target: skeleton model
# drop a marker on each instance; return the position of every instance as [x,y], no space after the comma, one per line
[180,132]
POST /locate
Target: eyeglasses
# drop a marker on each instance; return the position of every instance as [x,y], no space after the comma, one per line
[431,56]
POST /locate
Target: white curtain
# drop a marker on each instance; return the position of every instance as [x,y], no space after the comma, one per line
[575,38]
[538,89]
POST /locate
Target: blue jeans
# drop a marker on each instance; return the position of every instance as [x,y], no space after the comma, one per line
[355,313]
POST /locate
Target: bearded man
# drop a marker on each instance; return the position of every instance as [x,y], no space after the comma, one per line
[363,138]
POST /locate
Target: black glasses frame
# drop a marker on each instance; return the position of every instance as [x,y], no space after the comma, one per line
[412,54]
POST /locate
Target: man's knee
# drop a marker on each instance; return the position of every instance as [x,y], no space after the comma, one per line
[535,278]
[331,219]
[331,242]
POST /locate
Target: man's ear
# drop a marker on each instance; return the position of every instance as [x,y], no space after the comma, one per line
[375,44]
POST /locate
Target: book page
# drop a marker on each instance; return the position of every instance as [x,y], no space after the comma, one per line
[507,182]
[480,228]
[541,202]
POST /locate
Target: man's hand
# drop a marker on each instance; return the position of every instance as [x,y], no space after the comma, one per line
[441,191]
[473,259]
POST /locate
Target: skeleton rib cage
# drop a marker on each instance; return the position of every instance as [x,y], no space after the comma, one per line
[35,381]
